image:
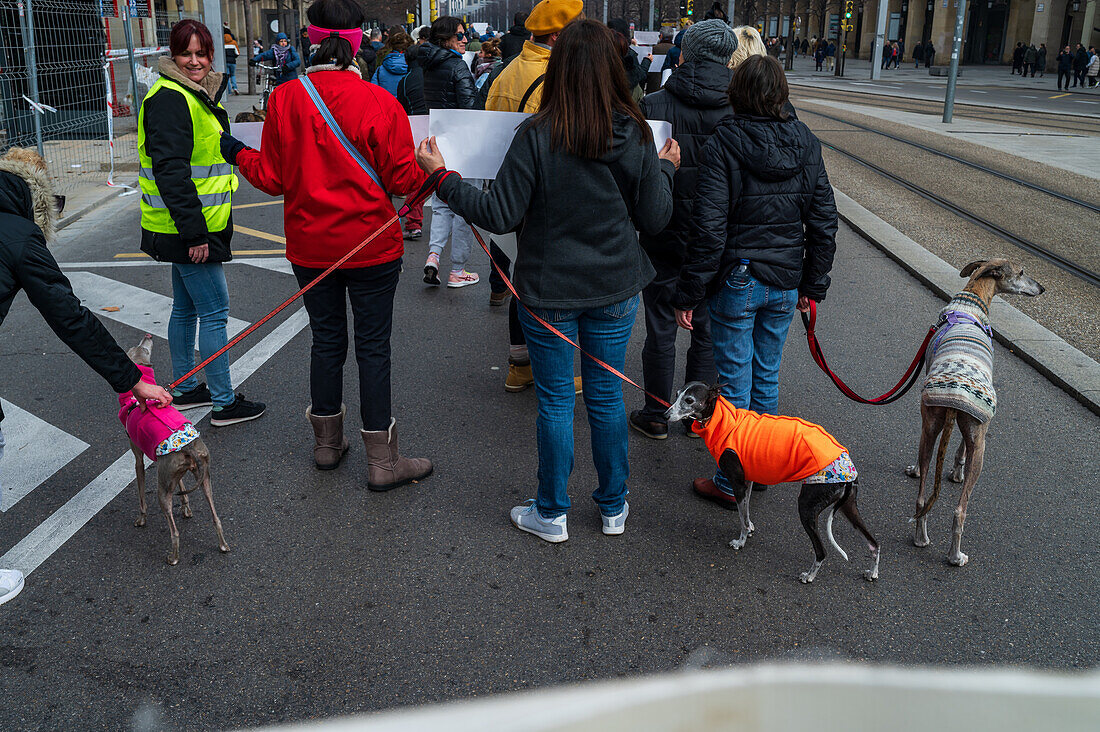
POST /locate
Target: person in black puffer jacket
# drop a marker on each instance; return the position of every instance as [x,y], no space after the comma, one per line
[448,84]
[762,239]
[448,81]
[512,42]
[694,99]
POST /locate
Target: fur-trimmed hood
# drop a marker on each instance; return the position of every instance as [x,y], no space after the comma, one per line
[211,86]
[333,67]
[27,192]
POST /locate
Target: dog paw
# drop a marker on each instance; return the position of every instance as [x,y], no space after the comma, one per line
[957,560]
[957,475]
[187,512]
[140,521]
[224,548]
[172,560]
[912,471]
[737,543]
[921,541]
[751,528]
[870,575]
[806,578]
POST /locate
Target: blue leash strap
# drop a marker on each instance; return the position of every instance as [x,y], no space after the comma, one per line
[331,122]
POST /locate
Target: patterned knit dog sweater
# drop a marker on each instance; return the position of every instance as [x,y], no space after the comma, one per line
[960,360]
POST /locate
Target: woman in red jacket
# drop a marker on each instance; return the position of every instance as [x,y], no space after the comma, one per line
[330,206]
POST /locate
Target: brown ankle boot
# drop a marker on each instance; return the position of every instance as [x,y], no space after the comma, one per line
[329,443]
[386,468]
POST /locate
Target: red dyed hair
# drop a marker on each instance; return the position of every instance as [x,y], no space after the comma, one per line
[181,35]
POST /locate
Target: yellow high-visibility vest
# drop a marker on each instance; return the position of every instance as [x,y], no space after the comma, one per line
[213,177]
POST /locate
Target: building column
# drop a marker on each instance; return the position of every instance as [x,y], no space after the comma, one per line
[943,29]
[1090,21]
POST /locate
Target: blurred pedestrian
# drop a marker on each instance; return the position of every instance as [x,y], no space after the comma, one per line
[762,241]
[589,152]
[331,204]
[1093,69]
[717,13]
[512,42]
[283,56]
[929,54]
[693,100]
[1065,66]
[830,55]
[1031,55]
[29,209]
[186,214]
[636,68]
[232,51]
[448,84]
[1041,60]
[488,58]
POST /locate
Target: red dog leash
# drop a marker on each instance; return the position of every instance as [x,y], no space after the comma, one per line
[899,390]
[603,364]
[424,191]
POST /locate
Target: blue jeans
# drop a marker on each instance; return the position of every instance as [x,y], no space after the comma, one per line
[231,72]
[604,332]
[200,296]
[748,326]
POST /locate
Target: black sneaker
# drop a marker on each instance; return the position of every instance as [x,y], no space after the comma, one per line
[197,397]
[652,430]
[241,410]
[431,275]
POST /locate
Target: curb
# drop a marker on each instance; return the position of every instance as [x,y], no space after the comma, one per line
[1062,364]
[108,195]
[901,95]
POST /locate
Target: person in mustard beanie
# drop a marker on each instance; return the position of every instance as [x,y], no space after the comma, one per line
[518,88]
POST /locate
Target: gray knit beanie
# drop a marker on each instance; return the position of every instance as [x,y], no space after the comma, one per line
[710,40]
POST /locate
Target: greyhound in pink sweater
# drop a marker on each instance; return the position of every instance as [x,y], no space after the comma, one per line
[170,440]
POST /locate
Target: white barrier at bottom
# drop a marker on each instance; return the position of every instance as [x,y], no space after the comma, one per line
[773,698]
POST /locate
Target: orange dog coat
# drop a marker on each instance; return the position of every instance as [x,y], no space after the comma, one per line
[773,449]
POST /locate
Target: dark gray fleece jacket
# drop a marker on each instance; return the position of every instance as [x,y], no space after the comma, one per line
[577,218]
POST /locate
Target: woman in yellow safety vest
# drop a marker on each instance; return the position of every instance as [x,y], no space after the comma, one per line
[186,199]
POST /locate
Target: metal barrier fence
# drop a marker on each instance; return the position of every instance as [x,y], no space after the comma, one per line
[67,71]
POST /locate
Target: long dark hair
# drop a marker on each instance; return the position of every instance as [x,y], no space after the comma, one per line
[585,84]
[335,15]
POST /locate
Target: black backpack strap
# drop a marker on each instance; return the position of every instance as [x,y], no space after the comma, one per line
[530,90]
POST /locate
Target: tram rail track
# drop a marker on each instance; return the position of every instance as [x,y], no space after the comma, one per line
[963,161]
[1023,243]
[1083,125]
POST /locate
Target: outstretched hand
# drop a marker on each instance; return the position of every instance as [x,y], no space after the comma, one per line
[428,156]
[143,390]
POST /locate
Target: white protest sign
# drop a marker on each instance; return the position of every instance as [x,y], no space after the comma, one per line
[507,243]
[480,28]
[661,132]
[647,38]
[248,132]
[472,141]
[664,76]
[419,124]
[642,51]
[468,57]
[658,62]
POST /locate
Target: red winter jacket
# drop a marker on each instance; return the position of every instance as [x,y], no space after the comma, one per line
[330,205]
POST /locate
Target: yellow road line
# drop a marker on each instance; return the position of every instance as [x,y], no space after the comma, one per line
[236,253]
[254,205]
[1059,96]
[259,234]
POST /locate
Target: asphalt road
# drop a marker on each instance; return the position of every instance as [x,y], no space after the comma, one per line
[336,600]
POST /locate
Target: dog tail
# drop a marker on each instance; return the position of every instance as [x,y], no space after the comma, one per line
[945,437]
[829,528]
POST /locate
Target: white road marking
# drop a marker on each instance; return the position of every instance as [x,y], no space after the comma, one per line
[976,91]
[138,308]
[63,523]
[275,264]
[35,451]
[112,263]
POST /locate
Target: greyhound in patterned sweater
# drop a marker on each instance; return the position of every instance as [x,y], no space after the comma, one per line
[959,388]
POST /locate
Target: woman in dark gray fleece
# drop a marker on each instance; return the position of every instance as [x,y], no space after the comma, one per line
[580,179]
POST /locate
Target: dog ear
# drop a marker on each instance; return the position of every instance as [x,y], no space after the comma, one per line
[998,269]
[970,268]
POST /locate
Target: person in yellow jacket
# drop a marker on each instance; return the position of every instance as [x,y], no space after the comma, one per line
[518,88]
[186,200]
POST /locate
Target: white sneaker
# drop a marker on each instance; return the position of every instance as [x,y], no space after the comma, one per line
[11,584]
[615,525]
[526,518]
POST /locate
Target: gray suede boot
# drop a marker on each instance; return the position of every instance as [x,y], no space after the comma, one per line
[386,468]
[329,442]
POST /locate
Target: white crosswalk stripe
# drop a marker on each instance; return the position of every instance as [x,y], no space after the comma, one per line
[35,450]
[138,308]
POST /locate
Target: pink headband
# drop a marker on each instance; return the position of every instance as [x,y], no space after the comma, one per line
[354,36]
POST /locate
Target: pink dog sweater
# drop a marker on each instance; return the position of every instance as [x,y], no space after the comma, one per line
[149,427]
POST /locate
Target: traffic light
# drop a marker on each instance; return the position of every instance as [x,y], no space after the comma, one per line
[683,8]
[848,6]
[690,8]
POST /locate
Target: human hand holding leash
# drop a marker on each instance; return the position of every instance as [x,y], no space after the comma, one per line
[428,156]
[803,303]
[671,152]
[683,319]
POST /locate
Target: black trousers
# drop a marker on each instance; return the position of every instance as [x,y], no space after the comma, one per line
[1061,75]
[1078,77]
[496,284]
[371,291]
[659,351]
